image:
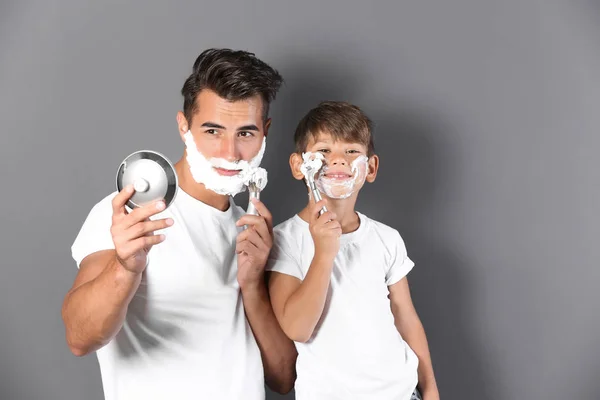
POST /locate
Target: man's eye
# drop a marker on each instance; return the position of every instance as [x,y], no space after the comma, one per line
[246,134]
[211,132]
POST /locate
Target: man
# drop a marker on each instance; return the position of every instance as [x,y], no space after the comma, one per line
[173,301]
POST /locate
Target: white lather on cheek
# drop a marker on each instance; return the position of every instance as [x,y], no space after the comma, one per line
[313,161]
[202,169]
[344,189]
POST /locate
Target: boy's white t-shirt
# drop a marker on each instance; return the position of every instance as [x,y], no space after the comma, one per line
[185,335]
[356,351]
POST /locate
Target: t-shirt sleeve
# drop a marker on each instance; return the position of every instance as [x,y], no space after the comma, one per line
[94,235]
[281,258]
[400,264]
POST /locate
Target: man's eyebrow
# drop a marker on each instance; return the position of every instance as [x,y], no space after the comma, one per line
[248,128]
[212,125]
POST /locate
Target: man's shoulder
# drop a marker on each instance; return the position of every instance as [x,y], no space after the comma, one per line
[94,235]
[100,213]
[104,204]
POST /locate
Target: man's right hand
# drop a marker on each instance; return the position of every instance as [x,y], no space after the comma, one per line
[133,233]
[325,231]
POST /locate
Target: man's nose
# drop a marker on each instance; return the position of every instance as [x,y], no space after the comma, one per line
[228,150]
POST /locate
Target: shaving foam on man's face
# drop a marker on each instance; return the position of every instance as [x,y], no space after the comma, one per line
[204,170]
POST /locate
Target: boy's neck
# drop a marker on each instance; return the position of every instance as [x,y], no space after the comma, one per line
[344,211]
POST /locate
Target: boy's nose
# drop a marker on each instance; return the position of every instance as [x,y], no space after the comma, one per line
[338,160]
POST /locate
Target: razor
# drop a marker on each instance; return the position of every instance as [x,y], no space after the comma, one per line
[311,165]
[256,181]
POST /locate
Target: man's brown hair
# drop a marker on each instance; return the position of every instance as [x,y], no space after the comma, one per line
[233,75]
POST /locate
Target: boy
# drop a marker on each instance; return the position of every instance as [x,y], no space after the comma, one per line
[338,285]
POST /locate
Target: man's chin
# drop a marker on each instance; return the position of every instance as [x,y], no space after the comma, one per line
[226,190]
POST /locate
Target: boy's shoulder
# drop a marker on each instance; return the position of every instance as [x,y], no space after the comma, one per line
[291,234]
[380,227]
[387,234]
[292,225]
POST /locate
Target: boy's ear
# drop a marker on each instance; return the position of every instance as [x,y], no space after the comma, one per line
[295,163]
[373,167]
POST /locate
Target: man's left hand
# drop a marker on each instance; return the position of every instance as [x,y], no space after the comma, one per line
[254,245]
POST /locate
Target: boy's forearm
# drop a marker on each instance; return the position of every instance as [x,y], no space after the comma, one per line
[414,334]
[277,350]
[304,307]
[94,312]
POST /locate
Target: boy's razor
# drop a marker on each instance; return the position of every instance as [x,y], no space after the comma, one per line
[311,165]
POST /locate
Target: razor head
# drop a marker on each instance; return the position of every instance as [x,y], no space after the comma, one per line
[312,163]
[256,179]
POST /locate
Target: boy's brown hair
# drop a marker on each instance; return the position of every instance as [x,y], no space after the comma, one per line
[342,120]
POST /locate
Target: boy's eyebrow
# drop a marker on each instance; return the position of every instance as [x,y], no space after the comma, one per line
[322,140]
[248,128]
[212,125]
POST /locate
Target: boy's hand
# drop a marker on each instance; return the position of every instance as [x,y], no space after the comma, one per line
[431,394]
[253,245]
[325,231]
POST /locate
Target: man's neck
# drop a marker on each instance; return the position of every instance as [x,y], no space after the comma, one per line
[344,211]
[198,190]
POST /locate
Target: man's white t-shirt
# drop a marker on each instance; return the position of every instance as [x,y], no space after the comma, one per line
[185,335]
[356,351]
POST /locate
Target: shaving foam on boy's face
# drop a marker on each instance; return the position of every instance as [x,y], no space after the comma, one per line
[203,169]
[339,181]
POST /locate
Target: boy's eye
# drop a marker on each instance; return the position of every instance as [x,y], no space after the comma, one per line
[353,151]
[323,150]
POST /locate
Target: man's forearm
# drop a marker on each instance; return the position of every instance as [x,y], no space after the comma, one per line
[94,312]
[277,350]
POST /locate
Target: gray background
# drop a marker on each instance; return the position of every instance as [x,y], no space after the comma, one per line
[487,127]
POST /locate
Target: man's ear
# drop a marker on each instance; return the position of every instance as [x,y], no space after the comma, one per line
[267,126]
[295,163]
[373,167]
[182,125]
